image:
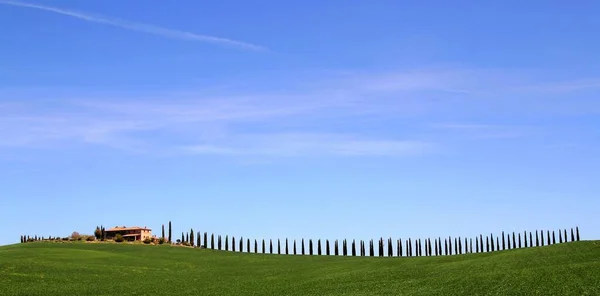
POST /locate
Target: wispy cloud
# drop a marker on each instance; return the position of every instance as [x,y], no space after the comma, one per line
[139,27]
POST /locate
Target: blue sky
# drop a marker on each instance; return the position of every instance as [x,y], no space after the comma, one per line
[314,119]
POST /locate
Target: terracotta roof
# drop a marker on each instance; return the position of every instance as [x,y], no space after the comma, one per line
[122,228]
[128,235]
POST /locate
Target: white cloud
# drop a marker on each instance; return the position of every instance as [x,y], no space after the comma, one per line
[139,27]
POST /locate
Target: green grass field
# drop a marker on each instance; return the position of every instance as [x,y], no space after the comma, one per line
[111,269]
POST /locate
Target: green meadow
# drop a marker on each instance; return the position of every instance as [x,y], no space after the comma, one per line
[46,268]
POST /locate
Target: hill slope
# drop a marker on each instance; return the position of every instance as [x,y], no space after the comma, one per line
[110,269]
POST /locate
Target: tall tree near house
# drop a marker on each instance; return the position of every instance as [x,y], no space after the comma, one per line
[537,239]
[380,252]
[327,250]
[170,229]
[542,237]
[163,232]
[206,240]
[278,247]
[577,232]
[310,246]
[302,247]
[390,248]
[572,235]
[519,240]
[199,235]
[103,233]
[459,246]
[319,247]
[226,242]
[248,250]
[255,246]
[270,246]
[548,237]
[399,247]
[233,243]
[487,244]
[566,238]
[503,242]
[530,239]
[345,247]
[182,238]
[335,248]
[286,247]
[525,238]
[219,242]
[263,246]
[192,237]
[553,237]
[514,241]
[446,246]
[294,247]
[471,245]
[371,248]
[212,241]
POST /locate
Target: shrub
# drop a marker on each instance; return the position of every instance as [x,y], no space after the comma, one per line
[75,235]
[147,241]
[119,238]
[90,239]
[161,240]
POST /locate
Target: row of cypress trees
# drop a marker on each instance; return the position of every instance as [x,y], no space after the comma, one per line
[409,247]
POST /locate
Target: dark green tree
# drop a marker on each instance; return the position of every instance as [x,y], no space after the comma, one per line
[371,248]
[335,248]
[278,247]
[310,246]
[459,246]
[294,247]
[263,246]
[319,247]
[170,229]
[553,237]
[572,235]
[98,233]
[219,242]
[400,247]
[446,247]
[487,244]
[560,237]
[503,242]
[199,243]
[542,237]
[206,240]
[163,231]
[345,247]
[530,239]
[525,238]
[519,240]
[353,248]
[183,240]
[390,248]
[577,231]
[255,246]
[327,250]
[380,251]
[566,237]
[548,237]
[537,239]
[241,244]
[471,245]
[233,243]
[192,237]
[270,246]
[226,242]
[248,250]
[302,247]
[514,241]
[212,241]
[286,247]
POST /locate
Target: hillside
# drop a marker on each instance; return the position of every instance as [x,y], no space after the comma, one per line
[111,269]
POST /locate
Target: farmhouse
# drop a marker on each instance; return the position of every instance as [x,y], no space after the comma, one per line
[132,233]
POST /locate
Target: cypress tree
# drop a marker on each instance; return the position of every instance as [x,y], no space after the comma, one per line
[327,250]
[371,247]
[310,247]
[566,237]
[430,252]
[192,237]
[241,244]
[436,247]
[446,248]
[572,235]
[206,240]
[503,242]
[363,251]
[560,237]
[319,247]
[548,237]
[380,251]
[183,240]
[497,244]
[537,239]
[302,246]
[481,243]
[270,246]
[399,245]
[525,238]
[577,231]
[456,242]
[199,243]
[530,239]
[353,248]
[553,237]
[542,237]
[255,246]
[233,243]
[514,241]
[226,243]
[163,231]
[278,247]
[476,244]
[219,242]
[170,241]
[345,246]
[335,248]
[264,248]
[294,247]
[248,250]
[519,240]
[450,245]
[492,241]
[509,244]
[287,250]
[487,243]
[390,248]
[459,246]
[471,245]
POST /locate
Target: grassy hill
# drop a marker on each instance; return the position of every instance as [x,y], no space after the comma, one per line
[111,269]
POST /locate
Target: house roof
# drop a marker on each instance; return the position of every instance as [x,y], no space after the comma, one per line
[122,228]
